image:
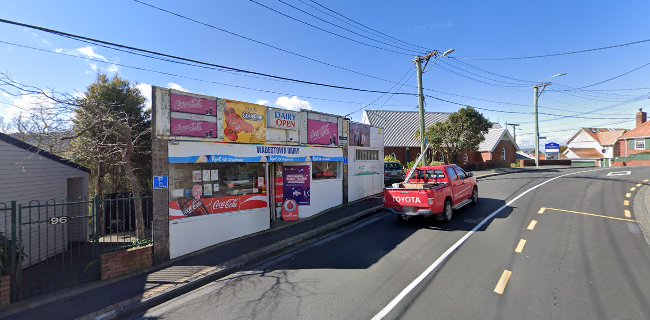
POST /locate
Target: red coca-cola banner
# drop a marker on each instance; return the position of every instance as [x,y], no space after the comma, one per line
[186,208]
[193,128]
[190,104]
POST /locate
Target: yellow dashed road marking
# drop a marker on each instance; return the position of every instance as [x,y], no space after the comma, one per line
[628,214]
[503,282]
[591,214]
[541,210]
[627,195]
[633,188]
[626,202]
[638,184]
[532,225]
[520,246]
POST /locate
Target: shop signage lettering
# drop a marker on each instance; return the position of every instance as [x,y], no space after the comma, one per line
[190,104]
[186,208]
[221,205]
[277,150]
[282,119]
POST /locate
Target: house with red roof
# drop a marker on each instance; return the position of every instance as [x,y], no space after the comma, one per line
[635,144]
[593,146]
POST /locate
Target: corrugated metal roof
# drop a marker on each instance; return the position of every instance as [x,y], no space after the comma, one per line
[400,126]
[491,140]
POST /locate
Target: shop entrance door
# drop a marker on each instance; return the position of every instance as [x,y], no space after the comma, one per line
[276,196]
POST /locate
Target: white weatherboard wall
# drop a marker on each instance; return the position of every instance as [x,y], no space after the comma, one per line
[365,177]
[25,176]
[195,233]
[584,140]
[325,194]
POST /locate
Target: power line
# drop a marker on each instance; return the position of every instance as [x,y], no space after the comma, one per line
[612,78]
[346,29]
[327,31]
[366,27]
[561,53]
[410,70]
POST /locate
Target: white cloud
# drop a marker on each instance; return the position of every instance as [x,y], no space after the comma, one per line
[176,86]
[93,66]
[113,68]
[89,52]
[293,103]
[146,92]
[58,50]
[263,102]
[22,105]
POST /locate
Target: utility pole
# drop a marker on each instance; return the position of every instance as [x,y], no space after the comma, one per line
[536,91]
[418,64]
[514,129]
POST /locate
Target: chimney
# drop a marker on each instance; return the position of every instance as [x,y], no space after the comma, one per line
[641,117]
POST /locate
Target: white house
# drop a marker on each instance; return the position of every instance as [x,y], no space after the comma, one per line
[593,146]
[31,176]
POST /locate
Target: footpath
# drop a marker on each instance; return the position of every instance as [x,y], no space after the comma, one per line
[140,291]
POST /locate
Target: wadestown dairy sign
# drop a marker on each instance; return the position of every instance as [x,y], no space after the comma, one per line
[282,119]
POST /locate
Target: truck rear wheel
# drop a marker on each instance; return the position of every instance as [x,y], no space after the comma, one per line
[475,196]
[448,212]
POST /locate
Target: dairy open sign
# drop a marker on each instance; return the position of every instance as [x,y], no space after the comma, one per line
[282,119]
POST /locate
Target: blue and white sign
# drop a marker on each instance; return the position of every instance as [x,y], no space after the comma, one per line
[285,159]
[160,182]
[326,159]
[552,147]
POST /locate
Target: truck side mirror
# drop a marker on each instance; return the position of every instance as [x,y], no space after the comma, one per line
[469,174]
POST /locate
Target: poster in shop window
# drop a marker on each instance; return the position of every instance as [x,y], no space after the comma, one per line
[297,180]
[244,122]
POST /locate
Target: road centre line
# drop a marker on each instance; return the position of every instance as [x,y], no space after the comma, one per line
[503,282]
[639,184]
[383,312]
[627,195]
[591,214]
[633,188]
[628,214]
[541,210]
[532,225]
[520,246]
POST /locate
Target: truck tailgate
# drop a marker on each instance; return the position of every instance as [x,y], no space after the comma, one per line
[406,199]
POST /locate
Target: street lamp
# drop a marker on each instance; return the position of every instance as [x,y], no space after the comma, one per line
[543,84]
[418,63]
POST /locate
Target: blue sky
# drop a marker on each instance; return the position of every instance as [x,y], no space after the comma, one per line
[475,29]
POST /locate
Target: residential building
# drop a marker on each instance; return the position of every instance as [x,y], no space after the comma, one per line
[593,146]
[635,144]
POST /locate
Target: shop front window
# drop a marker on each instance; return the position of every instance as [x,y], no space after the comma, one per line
[214,180]
[325,170]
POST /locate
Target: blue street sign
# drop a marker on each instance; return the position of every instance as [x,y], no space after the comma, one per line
[345,160]
[552,147]
[160,182]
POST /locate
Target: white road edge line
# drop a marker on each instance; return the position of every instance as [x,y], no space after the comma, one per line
[381,314]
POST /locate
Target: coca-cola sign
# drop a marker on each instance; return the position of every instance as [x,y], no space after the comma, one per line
[185,208]
[191,104]
[321,132]
[193,128]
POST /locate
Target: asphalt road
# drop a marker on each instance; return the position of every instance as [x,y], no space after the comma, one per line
[582,259]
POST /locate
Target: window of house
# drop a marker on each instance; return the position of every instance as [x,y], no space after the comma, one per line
[367,155]
[325,170]
[503,154]
[639,144]
[465,158]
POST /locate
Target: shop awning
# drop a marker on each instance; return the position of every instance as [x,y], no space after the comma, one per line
[326,159]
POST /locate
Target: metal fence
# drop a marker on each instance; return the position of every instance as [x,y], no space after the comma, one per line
[57,243]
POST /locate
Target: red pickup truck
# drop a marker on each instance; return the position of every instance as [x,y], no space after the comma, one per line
[432,190]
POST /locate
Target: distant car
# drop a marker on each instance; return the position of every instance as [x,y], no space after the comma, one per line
[393,172]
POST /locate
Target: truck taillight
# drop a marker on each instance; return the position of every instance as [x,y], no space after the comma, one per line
[430,201]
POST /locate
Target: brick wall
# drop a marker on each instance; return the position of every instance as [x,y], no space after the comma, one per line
[5,291]
[115,264]
[511,156]
[635,163]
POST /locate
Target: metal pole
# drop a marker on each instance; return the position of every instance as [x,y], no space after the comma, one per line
[418,64]
[536,128]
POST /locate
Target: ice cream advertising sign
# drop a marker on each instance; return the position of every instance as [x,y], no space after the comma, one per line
[297,184]
[191,104]
[244,122]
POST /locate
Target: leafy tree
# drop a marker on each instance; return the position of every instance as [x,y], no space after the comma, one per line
[113,131]
[463,131]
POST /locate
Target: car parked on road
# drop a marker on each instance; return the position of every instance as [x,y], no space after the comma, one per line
[393,172]
[432,190]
